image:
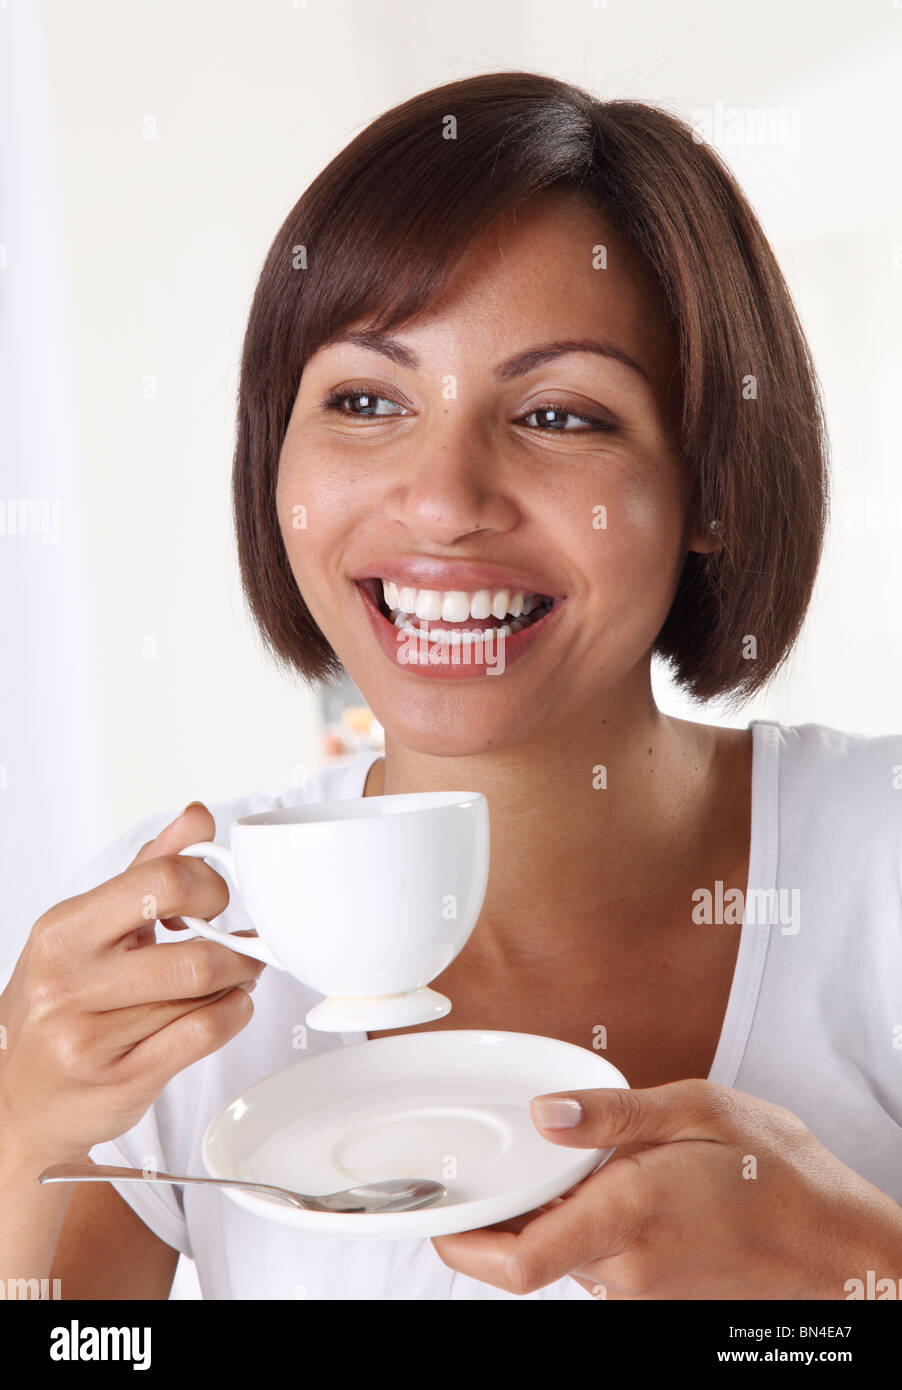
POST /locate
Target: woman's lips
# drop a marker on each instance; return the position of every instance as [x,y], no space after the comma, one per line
[489,655]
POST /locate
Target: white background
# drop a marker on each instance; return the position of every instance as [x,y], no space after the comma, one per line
[148,154]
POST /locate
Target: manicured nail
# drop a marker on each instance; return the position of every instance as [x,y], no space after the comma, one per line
[557,1113]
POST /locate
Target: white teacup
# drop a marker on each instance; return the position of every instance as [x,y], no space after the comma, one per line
[366,901]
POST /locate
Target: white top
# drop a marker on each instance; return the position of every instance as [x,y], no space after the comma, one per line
[813,1022]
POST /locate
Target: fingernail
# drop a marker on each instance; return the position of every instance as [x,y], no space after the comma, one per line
[556,1113]
[250,987]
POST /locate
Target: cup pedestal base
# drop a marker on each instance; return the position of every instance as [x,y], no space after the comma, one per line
[374,1012]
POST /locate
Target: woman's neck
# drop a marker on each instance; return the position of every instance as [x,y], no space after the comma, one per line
[590,826]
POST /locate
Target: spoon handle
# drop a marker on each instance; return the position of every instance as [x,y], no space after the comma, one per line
[95,1172]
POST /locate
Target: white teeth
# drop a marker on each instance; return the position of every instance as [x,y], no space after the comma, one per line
[456,636]
[456,606]
[481,604]
[429,604]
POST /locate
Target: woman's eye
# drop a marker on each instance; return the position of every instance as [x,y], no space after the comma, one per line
[366,404]
[555,417]
[370,405]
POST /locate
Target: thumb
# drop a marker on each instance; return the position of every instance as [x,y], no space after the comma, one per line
[681,1110]
[189,826]
[193,824]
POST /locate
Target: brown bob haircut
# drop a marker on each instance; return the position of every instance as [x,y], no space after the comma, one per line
[384,224]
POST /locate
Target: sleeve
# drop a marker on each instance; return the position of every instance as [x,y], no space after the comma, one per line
[159,1206]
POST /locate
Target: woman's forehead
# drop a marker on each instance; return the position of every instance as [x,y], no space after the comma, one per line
[552,270]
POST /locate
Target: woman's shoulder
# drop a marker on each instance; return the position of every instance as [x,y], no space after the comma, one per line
[871,761]
[838,778]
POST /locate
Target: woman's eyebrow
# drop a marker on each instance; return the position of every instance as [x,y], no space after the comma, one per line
[378,342]
[517,365]
[525,361]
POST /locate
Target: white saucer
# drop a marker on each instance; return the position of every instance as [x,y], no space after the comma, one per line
[453,1106]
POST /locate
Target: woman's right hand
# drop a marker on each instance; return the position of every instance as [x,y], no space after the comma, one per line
[99,1016]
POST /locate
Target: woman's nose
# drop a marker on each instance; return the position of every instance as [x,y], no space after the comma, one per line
[451,483]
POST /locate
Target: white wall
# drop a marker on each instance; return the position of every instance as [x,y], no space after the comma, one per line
[150,152]
[52,752]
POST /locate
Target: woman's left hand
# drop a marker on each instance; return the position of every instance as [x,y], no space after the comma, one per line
[712,1193]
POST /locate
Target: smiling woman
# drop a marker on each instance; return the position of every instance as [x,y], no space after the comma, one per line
[659,227]
[532,406]
[459,458]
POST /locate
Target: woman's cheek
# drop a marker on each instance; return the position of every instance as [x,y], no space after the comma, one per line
[308,514]
[292,509]
[649,520]
[300,522]
[632,559]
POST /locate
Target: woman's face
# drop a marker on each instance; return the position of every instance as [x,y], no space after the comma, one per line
[465,465]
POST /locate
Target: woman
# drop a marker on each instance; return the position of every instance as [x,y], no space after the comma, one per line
[521,365]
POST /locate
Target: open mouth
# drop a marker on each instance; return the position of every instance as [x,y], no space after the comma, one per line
[509,615]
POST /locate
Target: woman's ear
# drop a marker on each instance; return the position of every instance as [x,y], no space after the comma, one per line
[706,539]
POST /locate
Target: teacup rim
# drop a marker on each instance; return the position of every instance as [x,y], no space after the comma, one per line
[434,801]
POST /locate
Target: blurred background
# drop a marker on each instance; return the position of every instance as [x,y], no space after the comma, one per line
[148,154]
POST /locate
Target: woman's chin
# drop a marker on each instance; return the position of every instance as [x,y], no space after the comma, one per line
[432,737]
[447,748]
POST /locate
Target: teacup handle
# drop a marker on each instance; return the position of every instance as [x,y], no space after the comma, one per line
[244,945]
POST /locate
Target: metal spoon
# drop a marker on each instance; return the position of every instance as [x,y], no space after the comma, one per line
[392,1194]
